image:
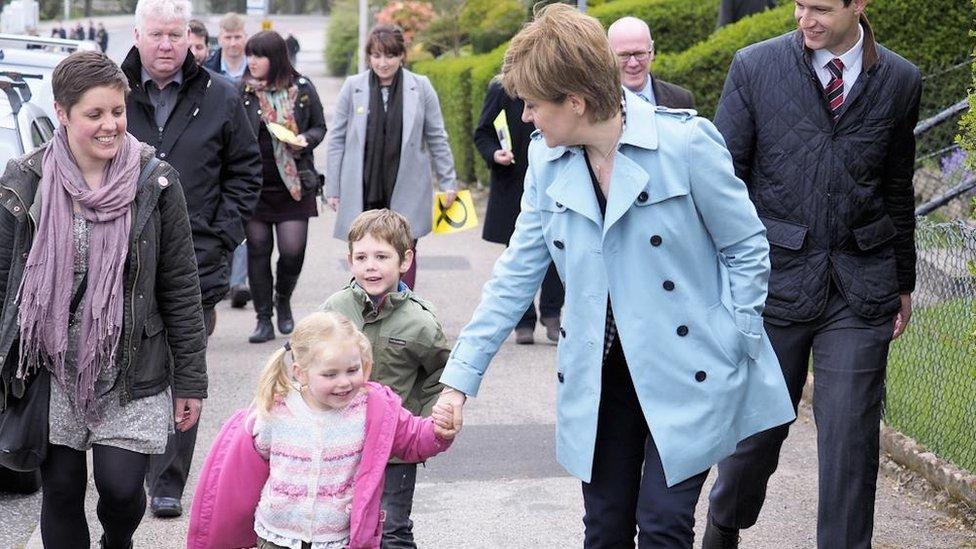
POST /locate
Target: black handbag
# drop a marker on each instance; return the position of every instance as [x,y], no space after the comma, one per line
[24,422]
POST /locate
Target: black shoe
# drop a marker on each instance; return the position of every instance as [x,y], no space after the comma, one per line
[719,537]
[164,507]
[239,296]
[551,324]
[286,323]
[264,331]
[524,336]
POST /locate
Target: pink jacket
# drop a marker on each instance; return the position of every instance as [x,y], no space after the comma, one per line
[234,473]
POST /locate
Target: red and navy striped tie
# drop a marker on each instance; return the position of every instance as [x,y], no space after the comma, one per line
[835,88]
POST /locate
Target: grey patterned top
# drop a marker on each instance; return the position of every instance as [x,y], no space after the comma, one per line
[141,426]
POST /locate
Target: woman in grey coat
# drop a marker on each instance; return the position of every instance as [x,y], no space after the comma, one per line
[387,121]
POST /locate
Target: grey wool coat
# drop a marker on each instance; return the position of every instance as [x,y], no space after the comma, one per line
[423,146]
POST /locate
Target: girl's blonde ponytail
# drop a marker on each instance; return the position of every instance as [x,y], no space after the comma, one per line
[275,381]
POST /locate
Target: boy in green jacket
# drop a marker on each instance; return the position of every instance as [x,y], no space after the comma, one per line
[409,347]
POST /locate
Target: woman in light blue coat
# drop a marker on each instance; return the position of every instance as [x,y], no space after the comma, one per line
[663,362]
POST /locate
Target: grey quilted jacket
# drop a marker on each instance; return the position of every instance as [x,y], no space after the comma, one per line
[836,198]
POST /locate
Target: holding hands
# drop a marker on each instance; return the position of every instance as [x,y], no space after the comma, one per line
[447,420]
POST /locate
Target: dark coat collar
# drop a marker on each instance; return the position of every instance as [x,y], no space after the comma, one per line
[870,55]
[132,68]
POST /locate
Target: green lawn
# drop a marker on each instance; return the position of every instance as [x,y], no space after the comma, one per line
[932,381]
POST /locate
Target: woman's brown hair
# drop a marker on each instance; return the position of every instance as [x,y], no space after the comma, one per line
[82,71]
[387,39]
[564,52]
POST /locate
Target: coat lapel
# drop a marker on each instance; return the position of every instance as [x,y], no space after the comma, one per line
[410,100]
[571,188]
[629,179]
[360,109]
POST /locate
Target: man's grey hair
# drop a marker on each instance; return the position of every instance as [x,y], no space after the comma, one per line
[629,22]
[165,10]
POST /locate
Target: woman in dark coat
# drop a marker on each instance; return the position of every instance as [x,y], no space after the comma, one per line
[100,289]
[274,92]
[505,193]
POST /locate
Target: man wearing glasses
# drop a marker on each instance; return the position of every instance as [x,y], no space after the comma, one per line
[631,40]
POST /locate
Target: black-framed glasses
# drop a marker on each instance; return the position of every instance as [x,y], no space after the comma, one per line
[640,56]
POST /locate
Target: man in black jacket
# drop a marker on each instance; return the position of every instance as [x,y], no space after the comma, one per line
[197,123]
[630,39]
[820,126]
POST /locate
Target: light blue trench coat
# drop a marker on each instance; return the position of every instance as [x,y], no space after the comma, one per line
[684,259]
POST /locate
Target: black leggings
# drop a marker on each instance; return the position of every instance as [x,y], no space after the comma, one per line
[119,475]
[292,237]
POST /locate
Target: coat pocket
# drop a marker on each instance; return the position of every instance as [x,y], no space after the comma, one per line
[153,364]
[785,234]
[726,334]
[874,234]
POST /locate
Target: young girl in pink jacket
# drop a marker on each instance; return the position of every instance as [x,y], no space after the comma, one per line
[304,467]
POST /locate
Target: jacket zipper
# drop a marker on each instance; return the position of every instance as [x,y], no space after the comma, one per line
[126,397]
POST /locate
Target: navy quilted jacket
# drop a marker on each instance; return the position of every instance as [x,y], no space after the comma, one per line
[836,198]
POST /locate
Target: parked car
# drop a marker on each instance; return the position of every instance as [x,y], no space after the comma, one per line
[23,127]
[38,56]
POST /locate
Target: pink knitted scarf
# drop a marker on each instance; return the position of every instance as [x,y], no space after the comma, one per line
[46,290]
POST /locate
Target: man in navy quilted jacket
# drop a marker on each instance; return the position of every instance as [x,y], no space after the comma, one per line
[820,126]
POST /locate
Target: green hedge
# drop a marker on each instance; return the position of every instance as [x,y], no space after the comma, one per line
[342,39]
[703,67]
[675,24]
[926,33]
[452,80]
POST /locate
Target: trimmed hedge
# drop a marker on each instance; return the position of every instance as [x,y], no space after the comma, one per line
[676,25]
[342,39]
[452,80]
[927,34]
[703,67]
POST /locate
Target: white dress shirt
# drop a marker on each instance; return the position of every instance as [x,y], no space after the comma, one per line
[852,60]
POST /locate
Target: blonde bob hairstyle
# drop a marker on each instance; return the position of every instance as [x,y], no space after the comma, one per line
[312,337]
[564,52]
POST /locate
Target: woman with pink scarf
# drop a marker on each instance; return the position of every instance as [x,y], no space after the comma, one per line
[102,292]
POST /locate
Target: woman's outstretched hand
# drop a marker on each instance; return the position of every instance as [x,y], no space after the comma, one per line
[447,420]
[449,405]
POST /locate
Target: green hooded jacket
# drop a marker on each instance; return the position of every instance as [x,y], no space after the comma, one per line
[409,347]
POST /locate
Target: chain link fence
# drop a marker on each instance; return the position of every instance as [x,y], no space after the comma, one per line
[932,367]
[943,187]
[931,382]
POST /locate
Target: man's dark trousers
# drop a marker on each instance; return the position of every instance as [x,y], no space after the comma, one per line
[167,472]
[849,360]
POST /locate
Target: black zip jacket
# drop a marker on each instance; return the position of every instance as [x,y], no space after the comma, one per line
[208,140]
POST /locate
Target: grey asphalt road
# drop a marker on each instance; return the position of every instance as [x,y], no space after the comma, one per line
[499,487]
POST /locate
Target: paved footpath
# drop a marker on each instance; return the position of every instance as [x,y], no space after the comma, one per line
[499,486]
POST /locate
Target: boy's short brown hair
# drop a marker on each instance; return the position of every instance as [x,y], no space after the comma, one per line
[386,225]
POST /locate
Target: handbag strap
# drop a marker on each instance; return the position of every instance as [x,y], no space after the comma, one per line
[144,174]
